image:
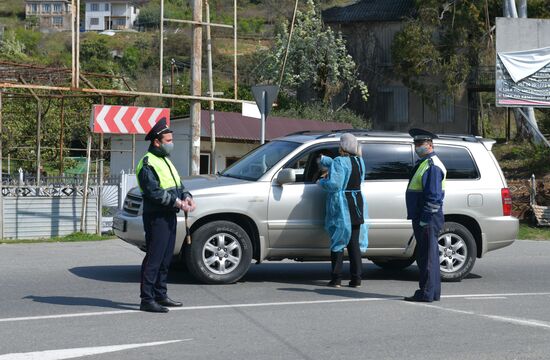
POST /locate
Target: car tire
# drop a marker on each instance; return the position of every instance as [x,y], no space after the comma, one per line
[457,252]
[220,253]
[395,264]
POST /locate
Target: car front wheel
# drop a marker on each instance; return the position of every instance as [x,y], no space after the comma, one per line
[220,253]
[457,251]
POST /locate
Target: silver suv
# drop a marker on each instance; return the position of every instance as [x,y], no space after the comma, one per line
[267,206]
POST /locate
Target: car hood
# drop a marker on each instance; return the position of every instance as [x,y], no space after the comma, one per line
[203,183]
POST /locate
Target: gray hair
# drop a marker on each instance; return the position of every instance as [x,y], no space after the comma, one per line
[348,143]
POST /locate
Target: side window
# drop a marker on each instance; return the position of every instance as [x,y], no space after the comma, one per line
[306,166]
[385,161]
[457,161]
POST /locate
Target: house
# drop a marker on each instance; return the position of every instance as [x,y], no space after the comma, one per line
[369,27]
[109,15]
[236,135]
[50,15]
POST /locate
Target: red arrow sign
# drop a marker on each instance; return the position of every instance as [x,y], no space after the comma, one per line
[113,119]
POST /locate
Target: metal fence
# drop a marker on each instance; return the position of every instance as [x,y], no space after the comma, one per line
[55,206]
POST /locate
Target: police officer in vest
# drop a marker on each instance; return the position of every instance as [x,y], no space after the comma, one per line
[424,196]
[163,196]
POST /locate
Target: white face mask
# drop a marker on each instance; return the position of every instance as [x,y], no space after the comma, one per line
[167,148]
[421,151]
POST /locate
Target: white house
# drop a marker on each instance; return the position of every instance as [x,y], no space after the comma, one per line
[236,135]
[109,15]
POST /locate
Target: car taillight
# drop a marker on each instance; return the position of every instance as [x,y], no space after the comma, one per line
[506,201]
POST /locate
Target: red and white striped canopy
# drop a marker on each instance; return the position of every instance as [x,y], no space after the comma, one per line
[114,119]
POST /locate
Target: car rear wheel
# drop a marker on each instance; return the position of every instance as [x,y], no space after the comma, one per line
[220,253]
[457,251]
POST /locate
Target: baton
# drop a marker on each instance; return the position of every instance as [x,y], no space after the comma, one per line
[187,232]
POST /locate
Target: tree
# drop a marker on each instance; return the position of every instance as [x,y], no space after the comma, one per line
[317,59]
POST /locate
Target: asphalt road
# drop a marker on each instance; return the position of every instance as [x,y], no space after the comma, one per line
[67,300]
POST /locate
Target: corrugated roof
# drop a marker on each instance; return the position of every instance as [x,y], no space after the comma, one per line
[370,10]
[234,126]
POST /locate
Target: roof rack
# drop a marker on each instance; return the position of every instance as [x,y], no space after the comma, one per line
[463,137]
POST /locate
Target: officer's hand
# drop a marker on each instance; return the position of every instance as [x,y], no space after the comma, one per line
[190,203]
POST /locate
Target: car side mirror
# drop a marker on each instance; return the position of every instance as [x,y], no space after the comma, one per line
[286,176]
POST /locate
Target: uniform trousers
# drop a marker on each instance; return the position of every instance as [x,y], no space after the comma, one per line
[354,253]
[160,239]
[427,258]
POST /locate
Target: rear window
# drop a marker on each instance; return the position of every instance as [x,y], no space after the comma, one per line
[458,162]
[387,161]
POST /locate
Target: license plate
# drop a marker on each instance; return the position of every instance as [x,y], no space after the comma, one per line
[119,224]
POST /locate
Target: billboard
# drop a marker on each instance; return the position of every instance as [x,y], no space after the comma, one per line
[523,62]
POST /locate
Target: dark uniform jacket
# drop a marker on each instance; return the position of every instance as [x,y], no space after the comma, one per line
[157,198]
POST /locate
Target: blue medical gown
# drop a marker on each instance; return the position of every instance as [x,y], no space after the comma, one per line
[337,216]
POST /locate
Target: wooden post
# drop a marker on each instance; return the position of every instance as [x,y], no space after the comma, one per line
[1,184]
[77,46]
[85,190]
[100,187]
[172,66]
[38,141]
[161,43]
[235,86]
[73,43]
[213,168]
[196,66]
[61,136]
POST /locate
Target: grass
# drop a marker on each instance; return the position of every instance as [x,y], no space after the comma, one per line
[74,237]
[527,232]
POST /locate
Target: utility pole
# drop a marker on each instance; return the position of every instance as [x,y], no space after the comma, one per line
[161,48]
[213,167]
[196,67]
[172,66]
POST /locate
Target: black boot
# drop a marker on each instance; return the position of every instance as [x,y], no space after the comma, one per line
[336,260]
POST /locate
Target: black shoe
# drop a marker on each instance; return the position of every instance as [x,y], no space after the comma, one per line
[354,284]
[152,306]
[334,283]
[414,299]
[169,302]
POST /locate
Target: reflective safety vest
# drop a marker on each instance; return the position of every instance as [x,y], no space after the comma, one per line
[416,181]
[166,171]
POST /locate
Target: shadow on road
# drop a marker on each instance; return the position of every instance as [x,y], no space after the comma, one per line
[82,301]
[317,273]
[343,292]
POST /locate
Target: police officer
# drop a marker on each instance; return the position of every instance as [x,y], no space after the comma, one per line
[163,196]
[424,196]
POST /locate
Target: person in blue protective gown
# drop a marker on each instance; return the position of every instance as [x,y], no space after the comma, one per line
[346,209]
[424,197]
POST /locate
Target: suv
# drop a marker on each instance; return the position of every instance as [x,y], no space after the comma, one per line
[267,206]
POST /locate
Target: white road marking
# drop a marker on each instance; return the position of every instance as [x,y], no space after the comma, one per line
[507,319]
[284,303]
[78,352]
[486,298]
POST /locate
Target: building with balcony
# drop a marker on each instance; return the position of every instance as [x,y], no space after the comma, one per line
[109,15]
[49,15]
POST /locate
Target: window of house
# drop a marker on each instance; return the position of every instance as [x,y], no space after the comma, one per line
[57,21]
[47,8]
[230,160]
[120,22]
[393,104]
[106,7]
[94,21]
[458,162]
[34,8]
[204,164]
[94,7]
[387,161]
[57,8]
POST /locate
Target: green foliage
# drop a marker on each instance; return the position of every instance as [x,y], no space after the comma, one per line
[317,57]
[11,48]
[319,111]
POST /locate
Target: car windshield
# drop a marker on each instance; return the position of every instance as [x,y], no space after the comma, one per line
[253,165]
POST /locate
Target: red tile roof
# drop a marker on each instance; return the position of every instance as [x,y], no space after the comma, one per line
[230,125]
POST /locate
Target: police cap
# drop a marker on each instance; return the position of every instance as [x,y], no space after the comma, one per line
[421,135]
[157,130]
